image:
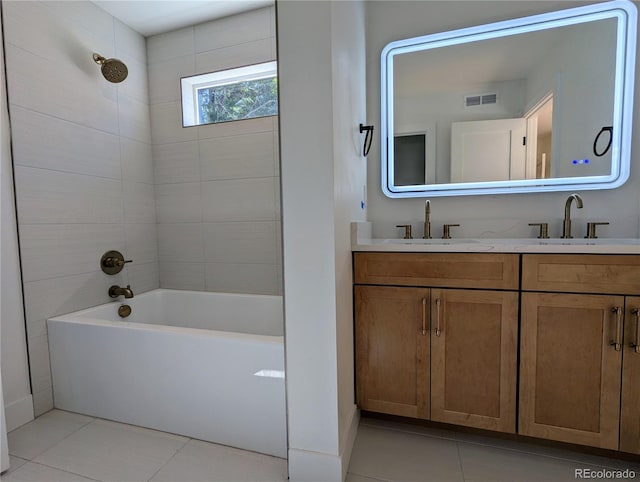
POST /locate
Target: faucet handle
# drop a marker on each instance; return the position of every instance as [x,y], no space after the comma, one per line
[112,262]
[591,229]
[407,230]
[445,230]
[544,230]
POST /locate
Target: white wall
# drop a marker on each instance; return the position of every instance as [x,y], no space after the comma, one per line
[16,390]
[486,216]
[217,189]
[349,181]
[82,151]
[321,106]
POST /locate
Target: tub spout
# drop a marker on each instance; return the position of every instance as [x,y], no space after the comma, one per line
[116,291]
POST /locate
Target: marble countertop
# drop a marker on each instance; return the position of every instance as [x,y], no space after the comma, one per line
[361,240]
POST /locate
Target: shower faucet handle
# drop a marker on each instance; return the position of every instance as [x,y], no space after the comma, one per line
[407,230]
[112,262]
[446,234]
[591,229]
[544,230]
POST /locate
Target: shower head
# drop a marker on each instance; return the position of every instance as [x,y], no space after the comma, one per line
[113,70]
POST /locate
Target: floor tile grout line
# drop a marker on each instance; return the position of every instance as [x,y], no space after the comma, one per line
[547,456]
[413,432]
[61,470]
[20,458]
[569,458]
[169,459]
[59,441]
[460,462]
[370,477]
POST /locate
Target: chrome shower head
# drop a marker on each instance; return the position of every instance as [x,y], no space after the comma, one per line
[113,70]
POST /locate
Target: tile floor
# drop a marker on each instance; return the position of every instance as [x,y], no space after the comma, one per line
[390,451]
[66,447]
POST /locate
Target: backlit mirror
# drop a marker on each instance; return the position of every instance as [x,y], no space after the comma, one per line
[540,103]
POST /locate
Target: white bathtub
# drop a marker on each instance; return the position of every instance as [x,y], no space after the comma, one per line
[205,365]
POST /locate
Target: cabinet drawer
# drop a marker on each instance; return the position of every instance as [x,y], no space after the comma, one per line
[591,273]
[459,270]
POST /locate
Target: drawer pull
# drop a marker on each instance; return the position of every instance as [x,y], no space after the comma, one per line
[424,316]
[617,342]
[438,330]
[636,312]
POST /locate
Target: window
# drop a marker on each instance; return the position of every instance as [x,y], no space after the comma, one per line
[229,95]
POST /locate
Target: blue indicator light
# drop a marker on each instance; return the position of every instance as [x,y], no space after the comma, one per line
[586,161]
[575,161]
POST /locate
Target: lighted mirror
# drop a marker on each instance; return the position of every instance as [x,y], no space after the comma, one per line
[540,103]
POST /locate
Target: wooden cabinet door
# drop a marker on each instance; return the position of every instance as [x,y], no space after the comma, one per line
[630,407]
[392,351]
[569,371]
[474,358]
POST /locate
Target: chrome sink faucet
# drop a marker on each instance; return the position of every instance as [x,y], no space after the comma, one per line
[427,220]
[116,291]
[566,227]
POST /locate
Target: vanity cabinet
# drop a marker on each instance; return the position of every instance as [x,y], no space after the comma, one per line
[392,350]
[437,338]
[630,403]
[569,373]
[473,358]
[429,345]
[578,371]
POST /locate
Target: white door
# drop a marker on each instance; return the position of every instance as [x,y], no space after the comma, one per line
[491,150]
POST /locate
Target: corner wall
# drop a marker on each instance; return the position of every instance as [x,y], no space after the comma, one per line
[16,390]
[320,53]
[82,155]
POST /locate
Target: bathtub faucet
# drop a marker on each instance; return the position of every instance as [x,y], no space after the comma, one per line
[116,291]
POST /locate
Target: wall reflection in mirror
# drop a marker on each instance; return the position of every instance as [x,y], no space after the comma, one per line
[536,106]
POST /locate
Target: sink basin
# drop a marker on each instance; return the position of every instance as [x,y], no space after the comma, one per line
[363,240]
[431,242]
[517,241]
[569,242]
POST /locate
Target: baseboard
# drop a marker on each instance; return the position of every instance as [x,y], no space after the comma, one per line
[307,466]
[19,412]
[348,439]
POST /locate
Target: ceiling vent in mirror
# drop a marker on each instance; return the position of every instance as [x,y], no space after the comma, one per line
[480,99]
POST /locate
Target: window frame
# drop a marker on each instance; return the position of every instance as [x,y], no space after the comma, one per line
[191,85]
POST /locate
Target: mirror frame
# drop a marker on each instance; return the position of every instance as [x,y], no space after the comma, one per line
[626,14]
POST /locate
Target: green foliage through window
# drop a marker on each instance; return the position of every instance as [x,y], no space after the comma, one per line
[241,100]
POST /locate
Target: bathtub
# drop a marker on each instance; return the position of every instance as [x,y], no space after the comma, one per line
[205,365]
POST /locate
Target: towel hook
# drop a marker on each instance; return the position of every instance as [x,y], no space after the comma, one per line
[608,129]
[368,138]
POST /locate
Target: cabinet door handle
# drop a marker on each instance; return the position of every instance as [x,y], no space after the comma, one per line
[438,330]
[636,312]
[424,316]
[617,342]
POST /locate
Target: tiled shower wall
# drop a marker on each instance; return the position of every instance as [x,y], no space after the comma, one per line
[82,154]
[217,186]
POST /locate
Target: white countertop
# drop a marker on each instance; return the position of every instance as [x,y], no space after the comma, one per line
[361,241]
